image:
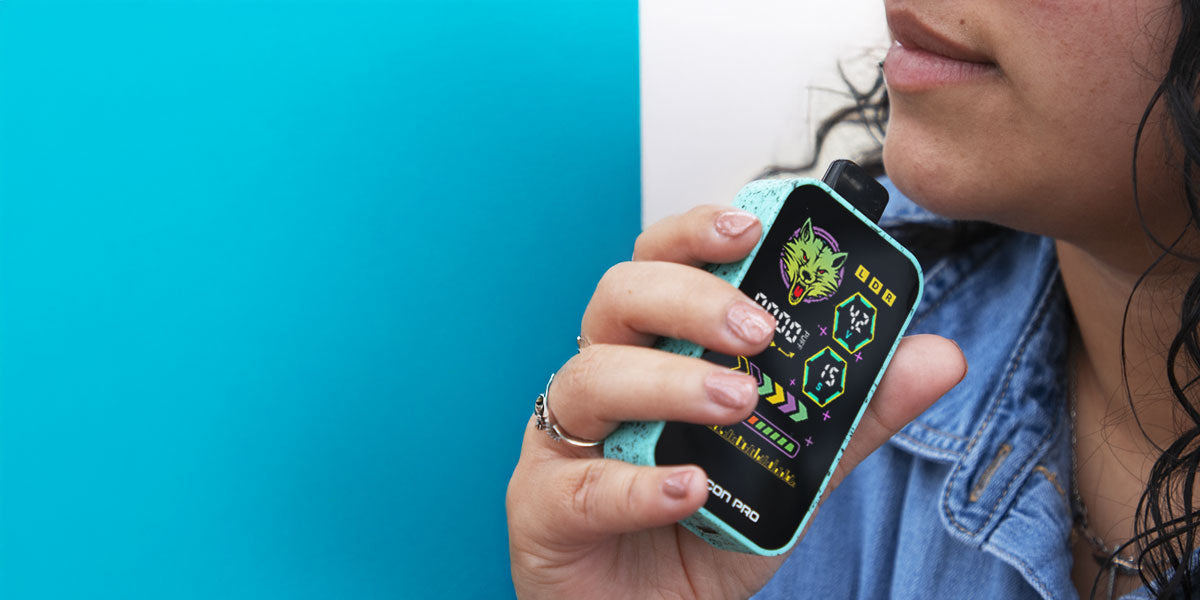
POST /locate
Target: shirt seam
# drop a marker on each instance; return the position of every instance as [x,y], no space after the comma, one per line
[1013,368]
[937,268]
[912,440]
[1051,477]
[937,431]
[1025,569]
[971,445]
[945,294]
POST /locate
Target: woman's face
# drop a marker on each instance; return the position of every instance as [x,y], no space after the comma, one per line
[1023,112]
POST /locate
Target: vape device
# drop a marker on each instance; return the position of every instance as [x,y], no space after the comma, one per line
[842,292]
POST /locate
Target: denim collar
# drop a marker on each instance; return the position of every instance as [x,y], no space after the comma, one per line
[1004,429]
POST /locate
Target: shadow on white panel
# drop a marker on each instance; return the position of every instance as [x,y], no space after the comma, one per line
[726,88]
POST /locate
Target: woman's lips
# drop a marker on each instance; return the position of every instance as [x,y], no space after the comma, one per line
[909,70]
[922,58]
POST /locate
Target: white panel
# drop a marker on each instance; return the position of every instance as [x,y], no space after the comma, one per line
[726,88]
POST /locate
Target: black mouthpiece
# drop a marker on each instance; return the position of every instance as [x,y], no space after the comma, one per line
[851,182]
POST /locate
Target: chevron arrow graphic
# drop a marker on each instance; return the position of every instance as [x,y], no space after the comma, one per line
[767,386]
[790,406]
[743,365]
[801,413]
[772,392]
[777,397]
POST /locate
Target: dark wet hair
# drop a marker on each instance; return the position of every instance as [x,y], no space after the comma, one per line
[1168,521]
[869,108]
[1167,518]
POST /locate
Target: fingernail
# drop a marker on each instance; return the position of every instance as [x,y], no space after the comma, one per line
[750,323]
[731,390]
[676,484]
[966,365]
[734,222]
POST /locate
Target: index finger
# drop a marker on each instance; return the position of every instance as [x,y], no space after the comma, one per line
[705,234]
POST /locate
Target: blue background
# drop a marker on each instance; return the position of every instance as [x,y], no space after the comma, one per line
[279,282]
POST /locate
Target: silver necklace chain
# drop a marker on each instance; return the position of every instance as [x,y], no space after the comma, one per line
[1106,557]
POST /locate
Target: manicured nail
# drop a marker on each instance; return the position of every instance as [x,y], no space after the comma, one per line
[968,365]
[676,484]
[750,323]
[734,222]
[731,390]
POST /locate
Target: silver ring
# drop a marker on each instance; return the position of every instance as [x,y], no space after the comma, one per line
[546,422]
[582,342]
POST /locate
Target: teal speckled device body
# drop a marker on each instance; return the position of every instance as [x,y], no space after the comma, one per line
[636,442]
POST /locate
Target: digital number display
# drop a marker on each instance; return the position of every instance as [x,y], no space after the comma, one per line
[841,294]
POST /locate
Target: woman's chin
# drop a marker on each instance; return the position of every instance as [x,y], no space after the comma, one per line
[932,182]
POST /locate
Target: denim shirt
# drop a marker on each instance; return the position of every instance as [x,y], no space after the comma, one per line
[970,500]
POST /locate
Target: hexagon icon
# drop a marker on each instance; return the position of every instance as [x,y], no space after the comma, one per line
[824,377]
[854,323]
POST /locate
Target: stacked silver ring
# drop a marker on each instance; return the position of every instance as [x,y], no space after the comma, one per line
[545,418]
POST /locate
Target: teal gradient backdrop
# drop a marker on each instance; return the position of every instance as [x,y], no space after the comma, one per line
[280,280]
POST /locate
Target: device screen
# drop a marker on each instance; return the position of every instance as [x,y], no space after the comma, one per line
[841,294]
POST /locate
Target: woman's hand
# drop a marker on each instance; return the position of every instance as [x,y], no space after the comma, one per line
[581,526]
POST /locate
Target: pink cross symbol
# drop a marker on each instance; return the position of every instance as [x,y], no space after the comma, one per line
[808,441]
[793,382]
[826,416]
[823,329]
[858,357]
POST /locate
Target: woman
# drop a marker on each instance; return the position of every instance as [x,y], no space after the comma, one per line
[1072,436]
